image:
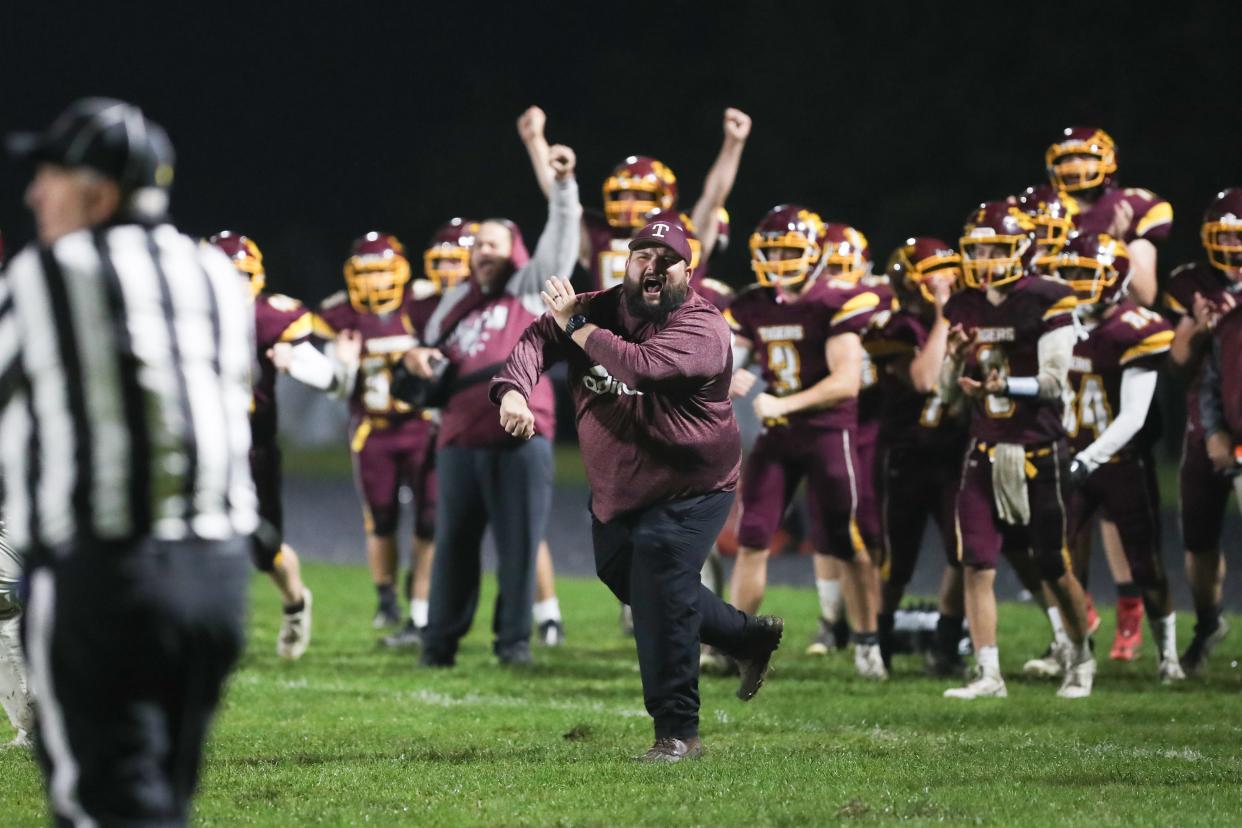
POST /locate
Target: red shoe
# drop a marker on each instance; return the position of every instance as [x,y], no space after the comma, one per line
[1093,617]
[1129,635]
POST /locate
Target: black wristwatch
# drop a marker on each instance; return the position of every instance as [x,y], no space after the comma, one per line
[575,322]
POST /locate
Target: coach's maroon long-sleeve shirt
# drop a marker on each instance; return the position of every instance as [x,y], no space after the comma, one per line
[653,412]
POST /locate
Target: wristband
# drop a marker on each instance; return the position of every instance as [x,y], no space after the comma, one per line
[1022,387]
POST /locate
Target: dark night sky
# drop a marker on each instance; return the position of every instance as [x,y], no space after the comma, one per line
[306,128]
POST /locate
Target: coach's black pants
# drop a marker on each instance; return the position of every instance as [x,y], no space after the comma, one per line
[650,559]
[509,488]
[129,647]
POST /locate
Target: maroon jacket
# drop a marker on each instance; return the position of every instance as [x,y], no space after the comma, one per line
[652,402]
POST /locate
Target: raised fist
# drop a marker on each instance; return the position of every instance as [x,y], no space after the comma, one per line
[736,124]
[562,160]
[530,124]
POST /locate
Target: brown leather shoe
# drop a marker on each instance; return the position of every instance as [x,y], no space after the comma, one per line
[754,666]
[668,749]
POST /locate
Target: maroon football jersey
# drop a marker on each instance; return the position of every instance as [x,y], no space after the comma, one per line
[277,318]
[609,250]
[385,338]
[1179,300]
[788,339]
[876,352]
[1152,216]
[909,419]
[716,292]
[1131,336]
[1006,338]
[1229,333]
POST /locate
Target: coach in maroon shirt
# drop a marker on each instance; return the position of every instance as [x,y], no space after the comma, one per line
[650,364]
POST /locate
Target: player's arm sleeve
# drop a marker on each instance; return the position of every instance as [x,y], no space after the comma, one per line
[1056,350]
[1138,386]
[309,366]
[557,249]
[689,348]
[1211,409]
[539,348]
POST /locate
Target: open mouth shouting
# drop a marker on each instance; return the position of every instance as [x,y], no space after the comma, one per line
[652,287]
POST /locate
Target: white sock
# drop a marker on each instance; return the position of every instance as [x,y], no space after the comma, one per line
[15,695]
[1058,627]
[829,599]
[988,659]
[1166,634]
[419,609]
[549,610]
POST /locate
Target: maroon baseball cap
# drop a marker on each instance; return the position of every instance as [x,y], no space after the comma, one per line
[671,234]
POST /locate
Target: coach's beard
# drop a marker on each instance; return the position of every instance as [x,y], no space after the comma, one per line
[639,305]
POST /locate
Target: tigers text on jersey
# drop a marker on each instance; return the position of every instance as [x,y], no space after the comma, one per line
[125,388]
[1006,337]
[789,338]
[1130,337]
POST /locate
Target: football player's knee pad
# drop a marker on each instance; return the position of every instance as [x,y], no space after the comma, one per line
[383,522]
[424,524]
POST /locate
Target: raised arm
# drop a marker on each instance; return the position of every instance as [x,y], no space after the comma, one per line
[1142,272]
[557,249]
[720,178]
[530,126]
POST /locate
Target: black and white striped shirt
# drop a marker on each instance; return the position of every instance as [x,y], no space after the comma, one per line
[124,390]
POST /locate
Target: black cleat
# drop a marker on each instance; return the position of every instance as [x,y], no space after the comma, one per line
[407,637]
[753,667]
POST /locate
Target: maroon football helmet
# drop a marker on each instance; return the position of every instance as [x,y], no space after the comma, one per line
[1096,266]
[847,256]
[376,273]
[798,234]
[446,261]
[1053,212]
[1222,232]
[998,244]
[245,255]
[911,266]
[1082,159]
[639,185]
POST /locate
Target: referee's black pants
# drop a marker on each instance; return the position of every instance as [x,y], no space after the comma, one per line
[129,647]
[650,558]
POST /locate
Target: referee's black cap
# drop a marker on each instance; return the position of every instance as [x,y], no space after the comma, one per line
[108,136]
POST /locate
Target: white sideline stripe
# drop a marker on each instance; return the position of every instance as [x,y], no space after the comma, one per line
[63,789]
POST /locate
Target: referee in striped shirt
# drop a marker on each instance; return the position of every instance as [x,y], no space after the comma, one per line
[124,393]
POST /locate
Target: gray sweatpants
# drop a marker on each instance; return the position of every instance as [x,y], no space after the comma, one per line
[510,489]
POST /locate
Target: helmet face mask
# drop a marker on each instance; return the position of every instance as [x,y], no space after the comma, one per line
[377,273]
[638,186]
[1085,158]
[915,267]
[989,260]
[847,255]
[1097,267]
[446,261]
[785,249]
[245,256]
[1221,232]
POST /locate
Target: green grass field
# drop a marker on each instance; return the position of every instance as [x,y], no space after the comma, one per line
[356,735]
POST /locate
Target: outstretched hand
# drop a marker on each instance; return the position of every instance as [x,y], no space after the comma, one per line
[560,300]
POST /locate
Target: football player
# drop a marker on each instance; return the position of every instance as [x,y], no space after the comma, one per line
[1112,382]
[277,319]
[1008,353]
[1198,295]
[804,330]
[1083,164]
[446,262]
[921,440]
[639,187]
[391,443]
